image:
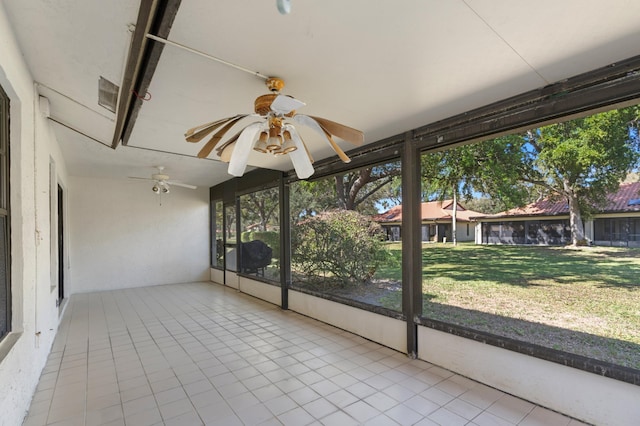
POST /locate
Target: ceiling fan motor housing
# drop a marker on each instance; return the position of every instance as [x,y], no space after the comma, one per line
[263,103]
[160,177]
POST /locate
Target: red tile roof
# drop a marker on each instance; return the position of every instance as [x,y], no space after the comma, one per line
[619,201]
[430,211]
[616,202]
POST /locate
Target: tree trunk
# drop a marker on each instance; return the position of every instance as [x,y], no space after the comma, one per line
[341,201]
[575,217]
[454,218]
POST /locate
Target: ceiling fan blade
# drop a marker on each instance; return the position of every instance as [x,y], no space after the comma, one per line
[225,154]
[284,104]
[196,134]
[300,157]
[231,140]
[208,147]
[347,133]
[184,185]
[141,178]
[240,156]
[306,148]
[310,122]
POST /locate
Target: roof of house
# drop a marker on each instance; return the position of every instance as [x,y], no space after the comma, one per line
[625,199]
[430,211]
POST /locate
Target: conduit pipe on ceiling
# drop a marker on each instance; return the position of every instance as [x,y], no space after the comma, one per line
[206,55]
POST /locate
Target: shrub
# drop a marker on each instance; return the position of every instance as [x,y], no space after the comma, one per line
[342,244]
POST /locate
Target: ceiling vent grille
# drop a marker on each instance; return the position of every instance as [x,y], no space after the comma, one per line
[107,94]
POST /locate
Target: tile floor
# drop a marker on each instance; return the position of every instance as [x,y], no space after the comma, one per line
[194,354]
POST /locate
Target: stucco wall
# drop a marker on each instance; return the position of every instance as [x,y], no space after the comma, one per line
[585,396]
[34,314]
[122,237]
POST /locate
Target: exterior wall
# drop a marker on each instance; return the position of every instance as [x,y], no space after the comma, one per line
[618,230]
[527,231]
[393,231]
[264,291]
[585,396]
[34,314]
[386,331]
[122,237]
[217,276]
[231,279]
[465,231]
[588,230]
[592,230]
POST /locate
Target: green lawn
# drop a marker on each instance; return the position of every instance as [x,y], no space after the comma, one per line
[585,301]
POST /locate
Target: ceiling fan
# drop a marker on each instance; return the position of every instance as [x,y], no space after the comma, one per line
[274,133]
[162,181]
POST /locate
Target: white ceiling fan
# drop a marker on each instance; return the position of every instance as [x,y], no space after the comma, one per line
[162,181]
[274,133]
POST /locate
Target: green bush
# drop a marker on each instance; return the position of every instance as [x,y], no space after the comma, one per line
[339,244]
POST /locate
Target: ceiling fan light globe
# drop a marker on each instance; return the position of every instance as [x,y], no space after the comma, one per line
[274,144]
[165,190]
[261,144]
[155,189]
[288,144]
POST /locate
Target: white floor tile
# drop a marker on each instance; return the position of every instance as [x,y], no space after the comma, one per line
[217,357]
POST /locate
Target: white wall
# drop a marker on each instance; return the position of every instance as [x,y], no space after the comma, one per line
[266,292]
[384,330]
[585,396]
[461,231]
[122,237]
[34,315]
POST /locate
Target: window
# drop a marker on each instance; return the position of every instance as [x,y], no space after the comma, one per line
[341,247]
[529,282]
[5,282]
[217,242]
[622,232]
[260,234]
[230,252]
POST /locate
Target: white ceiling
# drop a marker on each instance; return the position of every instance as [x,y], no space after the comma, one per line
[383,67]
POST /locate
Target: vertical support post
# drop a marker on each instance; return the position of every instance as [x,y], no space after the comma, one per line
[238,237]
[411,241]
[285,243]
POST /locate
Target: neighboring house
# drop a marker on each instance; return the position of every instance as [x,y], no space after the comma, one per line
[546,222]
[437,218]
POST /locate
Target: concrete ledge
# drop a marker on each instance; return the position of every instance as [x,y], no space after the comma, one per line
[381,329]
[579,394]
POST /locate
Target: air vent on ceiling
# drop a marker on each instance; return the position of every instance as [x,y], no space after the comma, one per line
[107,94]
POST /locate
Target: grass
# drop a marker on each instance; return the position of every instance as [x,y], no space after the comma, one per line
[585,301]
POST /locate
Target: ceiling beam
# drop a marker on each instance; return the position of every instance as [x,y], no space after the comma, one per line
[154,17]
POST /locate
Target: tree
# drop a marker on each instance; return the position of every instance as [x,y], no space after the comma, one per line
[362,190]
[355,189]
[583,160]
[579,161]
[470,169]
[261,208]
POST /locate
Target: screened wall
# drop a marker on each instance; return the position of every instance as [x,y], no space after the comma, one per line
[520,288]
